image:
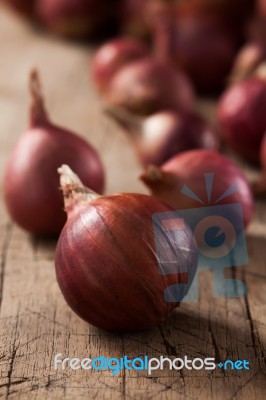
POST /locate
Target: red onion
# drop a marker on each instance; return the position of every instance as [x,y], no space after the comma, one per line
[247,60]
[112,56]
[31,184]
[163,135]
[188,169]
[152,83]
[146,86]
[204,49]
[107,272]
[242,117]
[76,18]
[261,8]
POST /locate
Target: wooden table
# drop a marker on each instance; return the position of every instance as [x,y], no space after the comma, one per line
[36,323]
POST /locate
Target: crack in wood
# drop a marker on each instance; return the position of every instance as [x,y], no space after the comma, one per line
[256,275]
[12,359]
[7,236]
[170,349]
[13,383]
[244,385]
[257,346]
[216,347]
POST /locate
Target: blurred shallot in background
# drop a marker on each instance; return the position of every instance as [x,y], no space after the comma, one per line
[154,62]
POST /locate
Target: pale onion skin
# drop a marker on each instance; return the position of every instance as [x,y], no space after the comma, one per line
[31,183]
[112,56]
[188,169]
[146,86]
[247,60]
[242,117]
[106,264]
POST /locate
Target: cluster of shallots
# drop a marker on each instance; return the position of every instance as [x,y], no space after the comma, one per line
[106,261]
[108,274]
[150,96]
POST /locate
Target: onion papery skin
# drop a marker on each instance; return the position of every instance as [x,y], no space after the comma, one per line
[113,55]
[77,19]
[31,183]
[242,117]
[106,264]
[146,86]
[188,169]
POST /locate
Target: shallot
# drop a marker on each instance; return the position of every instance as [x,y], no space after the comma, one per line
[181,182]
[162,135]
[242,117]
[204,49]
[147,86]
[31,183]
[112,56]
[106,262]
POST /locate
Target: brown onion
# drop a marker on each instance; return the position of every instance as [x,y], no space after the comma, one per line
[188,169]
[112,56]
[77,18]
[31,184]
[106,263]
[166,133]
[242,117]
[147,86]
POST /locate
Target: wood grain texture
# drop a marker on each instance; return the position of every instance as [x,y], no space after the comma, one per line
[35,322]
